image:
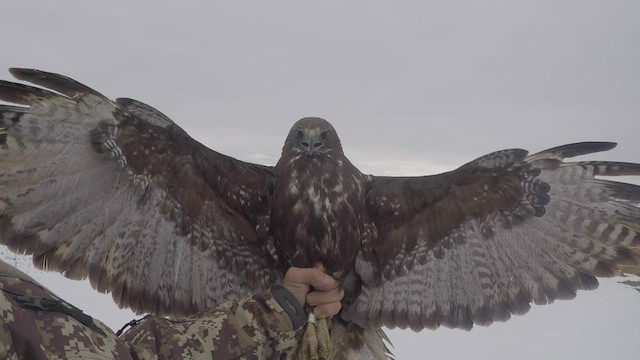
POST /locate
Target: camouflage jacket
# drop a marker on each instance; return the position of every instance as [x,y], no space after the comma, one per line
[35,324]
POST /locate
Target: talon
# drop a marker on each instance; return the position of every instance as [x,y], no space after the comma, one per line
[315,341]
[323,339]
[312,340]
[302,352]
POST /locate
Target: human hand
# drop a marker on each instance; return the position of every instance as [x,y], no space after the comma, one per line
[325,297]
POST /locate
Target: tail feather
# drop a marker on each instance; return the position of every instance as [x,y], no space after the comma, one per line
[369,343]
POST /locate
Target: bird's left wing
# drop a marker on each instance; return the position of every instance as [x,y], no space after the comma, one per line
[480,243]
[118,193]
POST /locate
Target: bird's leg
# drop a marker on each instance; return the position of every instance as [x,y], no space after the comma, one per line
[323,338]
[315,340]
[310,339]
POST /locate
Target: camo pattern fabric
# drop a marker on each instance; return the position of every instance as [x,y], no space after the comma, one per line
[254,328]
[31,334]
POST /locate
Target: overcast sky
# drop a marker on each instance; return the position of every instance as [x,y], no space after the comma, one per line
[412,87]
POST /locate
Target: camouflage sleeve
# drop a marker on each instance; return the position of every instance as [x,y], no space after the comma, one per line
[258,327]
[35,324]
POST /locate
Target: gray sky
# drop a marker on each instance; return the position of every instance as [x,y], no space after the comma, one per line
[412,87]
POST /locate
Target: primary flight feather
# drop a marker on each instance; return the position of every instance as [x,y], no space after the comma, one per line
[118,193]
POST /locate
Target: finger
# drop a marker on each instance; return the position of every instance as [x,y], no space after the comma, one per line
[313,277]
[327,310]
[319,266]
[320,280]
[316,298]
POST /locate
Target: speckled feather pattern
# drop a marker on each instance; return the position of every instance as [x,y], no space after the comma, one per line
[117,192]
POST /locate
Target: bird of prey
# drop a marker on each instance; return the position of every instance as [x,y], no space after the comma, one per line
[117,192]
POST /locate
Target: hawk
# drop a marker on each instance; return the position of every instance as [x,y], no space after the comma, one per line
[117,192]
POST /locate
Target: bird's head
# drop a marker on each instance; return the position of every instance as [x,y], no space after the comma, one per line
[312,136]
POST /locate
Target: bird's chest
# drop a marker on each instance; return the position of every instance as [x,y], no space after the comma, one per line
[318,214]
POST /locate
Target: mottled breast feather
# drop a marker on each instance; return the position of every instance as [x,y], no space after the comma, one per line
[318,208]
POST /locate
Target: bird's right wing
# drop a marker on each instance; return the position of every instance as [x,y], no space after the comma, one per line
[116,192]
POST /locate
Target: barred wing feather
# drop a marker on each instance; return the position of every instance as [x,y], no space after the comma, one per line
[481,243]
[116,192]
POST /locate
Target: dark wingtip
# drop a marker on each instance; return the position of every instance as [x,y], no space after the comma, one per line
[60,83]
[124,101]
[576,149]
[23,73]
[588,147]
[606,145]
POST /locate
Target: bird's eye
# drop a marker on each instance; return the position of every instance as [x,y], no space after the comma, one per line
[318,144]
[299,134]
[305,144]
[324,135]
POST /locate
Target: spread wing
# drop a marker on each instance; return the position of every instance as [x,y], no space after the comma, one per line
[115,191]
[480,243]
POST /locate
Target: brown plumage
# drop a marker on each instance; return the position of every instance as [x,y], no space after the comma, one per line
[318,207]
[117,192]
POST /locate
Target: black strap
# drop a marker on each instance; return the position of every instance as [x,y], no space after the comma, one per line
[290,304]
[54,305]
[131,323]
